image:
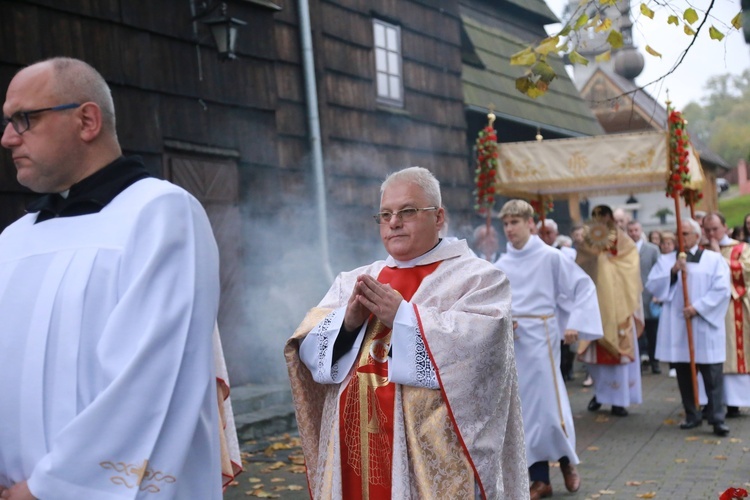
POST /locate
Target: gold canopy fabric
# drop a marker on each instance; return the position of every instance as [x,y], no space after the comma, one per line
[604,164]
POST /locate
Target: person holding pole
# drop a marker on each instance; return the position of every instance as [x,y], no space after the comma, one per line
[708,292]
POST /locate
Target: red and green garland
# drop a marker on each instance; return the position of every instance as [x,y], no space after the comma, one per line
[486,170]
[679,145]
[542,207]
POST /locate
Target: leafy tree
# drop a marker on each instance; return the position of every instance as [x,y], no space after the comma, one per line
[722,122]
[594,16]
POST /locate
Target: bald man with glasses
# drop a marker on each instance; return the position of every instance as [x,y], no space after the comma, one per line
[109,290]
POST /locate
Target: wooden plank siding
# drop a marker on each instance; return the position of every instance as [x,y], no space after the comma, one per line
[362,139]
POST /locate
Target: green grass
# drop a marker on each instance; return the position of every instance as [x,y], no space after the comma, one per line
[735,209]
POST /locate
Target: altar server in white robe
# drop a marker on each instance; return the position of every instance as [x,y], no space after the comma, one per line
[709,292]
[109,291]
[539,275]
[403,377]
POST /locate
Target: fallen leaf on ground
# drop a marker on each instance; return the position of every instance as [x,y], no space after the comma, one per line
[261,494]
[670,399]
[595,495]
[297,469]
[607,492]
[692,438]
[650,481]
[680,460]
[670,421]
[274,466]
[593,448]
[633,483]
[295,487]
[274,447]
[745,450]
[254,480]
[712,441]
[735,440]
[720,457]
[601,419]
[278,480]
[650,494]
[297,459]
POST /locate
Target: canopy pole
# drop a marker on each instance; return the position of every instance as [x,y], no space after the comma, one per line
[686,299]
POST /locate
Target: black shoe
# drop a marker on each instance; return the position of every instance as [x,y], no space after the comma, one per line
[619,411]
[721,429]
[733,411]
[688,424]
[594,405]
[655,369]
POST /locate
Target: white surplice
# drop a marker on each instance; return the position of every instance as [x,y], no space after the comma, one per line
[108,388]
[708,292]
[539,275]
[453,336]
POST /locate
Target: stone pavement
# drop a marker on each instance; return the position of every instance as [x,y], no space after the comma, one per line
[643,455]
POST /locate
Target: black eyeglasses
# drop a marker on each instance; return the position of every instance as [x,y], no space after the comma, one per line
[20,119]
[404,214]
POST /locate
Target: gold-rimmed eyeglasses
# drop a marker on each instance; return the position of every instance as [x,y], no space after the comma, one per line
[405,214]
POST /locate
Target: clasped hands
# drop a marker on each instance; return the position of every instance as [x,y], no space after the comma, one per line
[371,297]
[19,491]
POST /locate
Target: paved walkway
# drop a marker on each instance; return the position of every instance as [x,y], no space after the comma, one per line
[643,455]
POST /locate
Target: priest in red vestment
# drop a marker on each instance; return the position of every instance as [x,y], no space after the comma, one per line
[404,376]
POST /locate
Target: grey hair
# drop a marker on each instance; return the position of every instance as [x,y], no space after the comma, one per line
[419,176]
[694,225]
[517,208]
[547,223]
[78,81]
[481,232]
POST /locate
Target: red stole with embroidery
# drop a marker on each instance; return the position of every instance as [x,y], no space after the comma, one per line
[366,405]
[738,283]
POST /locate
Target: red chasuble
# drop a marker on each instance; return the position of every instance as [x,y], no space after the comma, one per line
[366,405]
[738,282]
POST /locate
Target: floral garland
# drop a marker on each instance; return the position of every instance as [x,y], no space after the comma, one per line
[542,207]
[679,144]
[486,170]
[734,493]
[692,196]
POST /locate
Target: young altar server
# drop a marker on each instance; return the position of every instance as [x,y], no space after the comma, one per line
[539,274]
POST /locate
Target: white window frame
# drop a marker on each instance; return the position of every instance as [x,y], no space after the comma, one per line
[389,80]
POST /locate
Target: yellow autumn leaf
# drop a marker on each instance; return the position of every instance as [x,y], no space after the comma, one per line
[274,466]
[564,32]
[297,459]
[680,460]
[526,57]
[547,45]
[690,15]
[692,438]
[262,494]
[278,480]
[297,469]
[720,457]
[604,25]
[735,440]
[673,20]
[633,483]
[737,21]
[668,421]
[269,451]
[614,39]
[576,58]
[607,492]
[646,11]
[650,494]
[603,57]
[688,30]
[254,480]
[712,441]
[582,19]
[601,419]
[295,487]
[715,34]
[656,54]
[593,448]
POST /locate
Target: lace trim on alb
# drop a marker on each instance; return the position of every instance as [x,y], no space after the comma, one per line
[322,330]
[424,375]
